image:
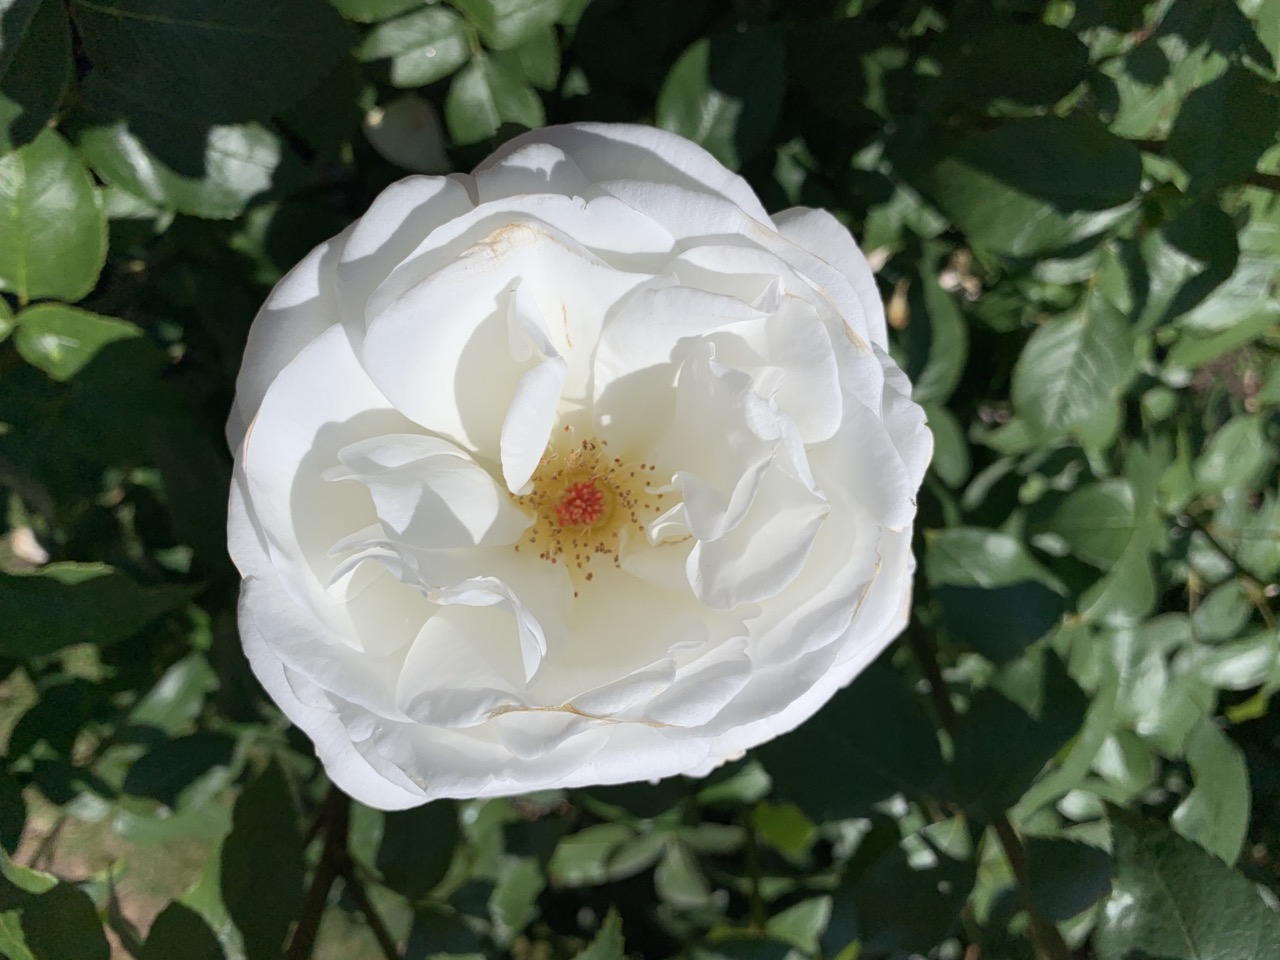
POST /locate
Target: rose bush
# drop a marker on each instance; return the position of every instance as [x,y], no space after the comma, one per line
[579,469]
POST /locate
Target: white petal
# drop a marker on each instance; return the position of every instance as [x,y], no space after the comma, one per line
[394,226]
[758,558]
[818,232]
[621,152]
[300,308]
[344,764]
[463,667]
[533,408]
[430,493]
[442,350]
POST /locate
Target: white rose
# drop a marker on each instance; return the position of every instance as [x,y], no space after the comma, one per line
[581,469]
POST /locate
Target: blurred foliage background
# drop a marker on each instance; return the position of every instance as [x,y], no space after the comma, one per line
[1072,209]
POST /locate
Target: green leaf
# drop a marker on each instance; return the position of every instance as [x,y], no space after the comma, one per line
[1171,899]
[999,622]
[1036,184]
[1096,521]
[417,847]
[1237,456]
[239,163]
[1215,814]
[423,46]
[372,11]
[171,766]
[679,880]
[1032,64]
[1075,367]
[53,234]
[35,79]
[1065,877]
[937,340]
[180,932]
[1000,748]
[607,943]
[262,871]
[904,905]
[801,924]
[228,62]
[60,340]
[65,603]
[725,93]
[951,461]
[484,95]
[504,24]
[514,902]
[1224,128]
[872,740]
[537,59]
[971,557]
[46,919]
[1187,259]
[15,18]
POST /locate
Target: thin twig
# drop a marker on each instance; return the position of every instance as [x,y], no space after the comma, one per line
[1045,937]
[355,889]
[332,821]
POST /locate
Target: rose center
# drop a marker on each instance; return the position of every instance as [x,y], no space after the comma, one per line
[581,505]
[587,504]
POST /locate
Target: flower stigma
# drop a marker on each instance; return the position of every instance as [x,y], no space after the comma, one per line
[587,505]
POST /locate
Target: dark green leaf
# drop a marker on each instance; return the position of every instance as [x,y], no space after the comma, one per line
[262,870]
[1037,184]
[371,11]
[1032,64]
[999,622]
[13,812]
[483,96]
[51,920]
[53,235]
[1224,128]
[15,18]
[171,766]
[34,80]
[725,92]
[417,847]
[66,603]
[904,907]
[1065,877]
[1000,748]
[871,741]
[60,340]
[236,60]
[180,932]
[937,340]
[1172,900]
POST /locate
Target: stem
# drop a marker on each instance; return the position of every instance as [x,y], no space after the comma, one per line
[333,820]
[357,893]
[1045,938]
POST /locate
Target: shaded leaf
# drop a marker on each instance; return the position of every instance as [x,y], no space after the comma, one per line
[1171,899]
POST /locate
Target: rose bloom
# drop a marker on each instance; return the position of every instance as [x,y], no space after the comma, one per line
[580,469]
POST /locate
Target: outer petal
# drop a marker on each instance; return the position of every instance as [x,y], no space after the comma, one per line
[617,151]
